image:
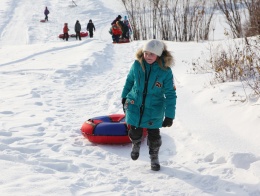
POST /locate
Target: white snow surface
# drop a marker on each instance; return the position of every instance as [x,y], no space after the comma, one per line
[49,87]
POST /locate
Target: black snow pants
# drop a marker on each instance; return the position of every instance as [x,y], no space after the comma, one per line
[78,35]
[91,34]
[136,133]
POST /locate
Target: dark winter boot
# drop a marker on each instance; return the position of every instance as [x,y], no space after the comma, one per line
[136,144]
[155,165]
[135,135]
[154,147]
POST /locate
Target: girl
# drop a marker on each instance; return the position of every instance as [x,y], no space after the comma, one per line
[149,98]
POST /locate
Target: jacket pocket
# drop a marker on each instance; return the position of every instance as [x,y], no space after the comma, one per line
[130,105]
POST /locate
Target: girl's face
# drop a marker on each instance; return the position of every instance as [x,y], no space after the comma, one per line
[150,57]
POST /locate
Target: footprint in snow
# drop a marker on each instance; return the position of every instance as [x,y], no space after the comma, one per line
[243,160]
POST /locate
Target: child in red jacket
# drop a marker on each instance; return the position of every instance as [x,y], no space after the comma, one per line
[116,33]
[65,32]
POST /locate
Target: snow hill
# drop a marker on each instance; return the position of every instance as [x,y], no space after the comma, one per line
[49,87]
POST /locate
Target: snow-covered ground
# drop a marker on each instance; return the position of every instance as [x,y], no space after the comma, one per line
[49,87]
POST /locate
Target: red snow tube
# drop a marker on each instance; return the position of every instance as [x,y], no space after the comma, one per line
[61,35]
[121,41]
[110,129]
[83,34]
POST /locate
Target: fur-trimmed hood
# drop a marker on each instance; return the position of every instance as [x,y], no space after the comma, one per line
[165,60]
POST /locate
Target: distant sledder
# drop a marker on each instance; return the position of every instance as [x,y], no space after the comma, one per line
[46,13]
[65,32]
[77,29]
[126,22]
[119,31]
[91,28]
[116,33]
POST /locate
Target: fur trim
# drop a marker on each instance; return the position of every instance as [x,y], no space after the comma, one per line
[165,60]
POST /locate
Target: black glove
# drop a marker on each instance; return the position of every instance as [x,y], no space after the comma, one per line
[123,102]
[167,122]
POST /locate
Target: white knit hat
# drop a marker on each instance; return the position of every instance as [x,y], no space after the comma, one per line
[154,46]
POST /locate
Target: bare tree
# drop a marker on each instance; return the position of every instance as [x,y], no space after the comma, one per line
[169,19]
[252,26]
[231,10]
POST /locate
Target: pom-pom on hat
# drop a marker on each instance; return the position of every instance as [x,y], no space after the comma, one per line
[154,46]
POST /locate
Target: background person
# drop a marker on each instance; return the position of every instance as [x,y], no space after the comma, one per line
[91,28]
[77,30]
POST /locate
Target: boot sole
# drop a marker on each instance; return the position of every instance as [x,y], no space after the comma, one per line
[155,167]
[134,156]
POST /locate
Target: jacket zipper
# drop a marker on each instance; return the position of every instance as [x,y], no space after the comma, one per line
[144,95]
[139,76]
[155,82]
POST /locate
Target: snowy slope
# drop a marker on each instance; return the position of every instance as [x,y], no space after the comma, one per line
[49,87]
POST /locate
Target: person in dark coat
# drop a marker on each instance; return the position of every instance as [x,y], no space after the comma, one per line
[118,18]
[90,28]
[46,13]
[77,30]
[126,22]
[124,29]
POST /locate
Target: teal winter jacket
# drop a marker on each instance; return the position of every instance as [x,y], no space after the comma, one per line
[147,108]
